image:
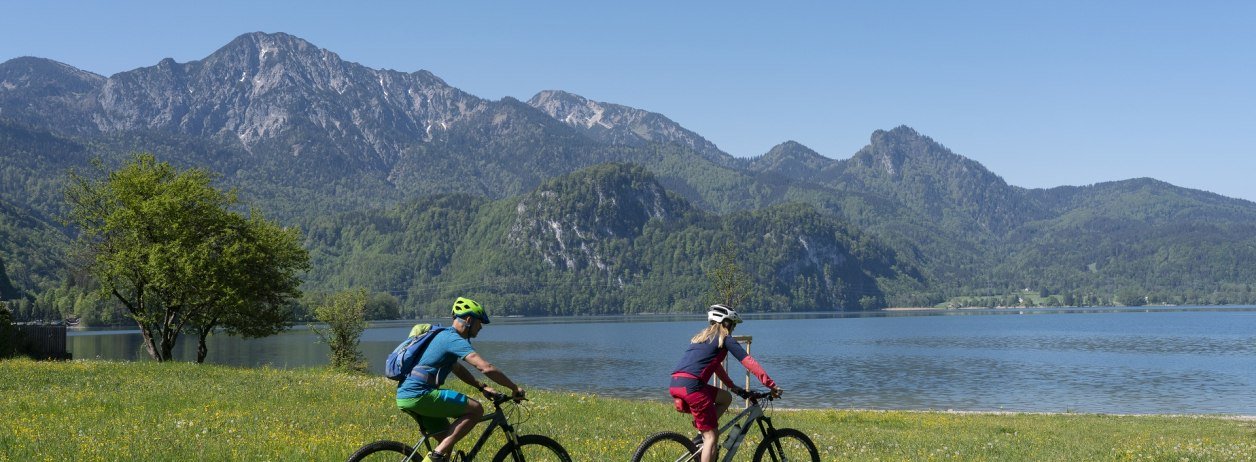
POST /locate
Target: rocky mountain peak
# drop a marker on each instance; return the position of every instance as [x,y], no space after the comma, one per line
[260,54]
[936,182]
[260,89]
[793,160]
[575,110]
[45,77]
[42,92]
[619,124]
[891,151]
[263,40]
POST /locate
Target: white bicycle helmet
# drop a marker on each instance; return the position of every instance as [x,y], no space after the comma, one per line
[720,313]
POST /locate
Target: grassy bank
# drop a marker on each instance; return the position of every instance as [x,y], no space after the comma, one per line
[96,410]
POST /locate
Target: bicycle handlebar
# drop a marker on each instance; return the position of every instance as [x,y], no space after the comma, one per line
[500,398]
[754,395]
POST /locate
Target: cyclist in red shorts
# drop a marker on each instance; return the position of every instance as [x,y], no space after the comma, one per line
[689,385]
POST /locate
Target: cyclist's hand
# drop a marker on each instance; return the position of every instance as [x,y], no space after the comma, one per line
[519,395]
[739,391]
[489,391]
[776,392]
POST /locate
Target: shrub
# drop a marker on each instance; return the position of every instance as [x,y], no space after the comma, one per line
[345,316]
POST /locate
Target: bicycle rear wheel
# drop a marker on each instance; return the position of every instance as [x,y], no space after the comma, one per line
[533,448]
[666,447]
[384,450]
[787,445]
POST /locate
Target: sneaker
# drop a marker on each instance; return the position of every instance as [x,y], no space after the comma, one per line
[435,457]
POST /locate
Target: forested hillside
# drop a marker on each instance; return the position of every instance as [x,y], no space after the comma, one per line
[1139,238]
[32,249]
[7,290]
[410,187]
[608,239]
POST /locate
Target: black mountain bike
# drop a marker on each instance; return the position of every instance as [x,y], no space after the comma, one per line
[779,444]
[518,448]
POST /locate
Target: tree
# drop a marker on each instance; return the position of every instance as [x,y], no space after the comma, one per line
[345,316]
[250,284]
[1130,297]
[167,246]
[730,284]
[383,306]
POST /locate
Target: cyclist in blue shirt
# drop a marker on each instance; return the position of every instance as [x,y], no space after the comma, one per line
[420,394]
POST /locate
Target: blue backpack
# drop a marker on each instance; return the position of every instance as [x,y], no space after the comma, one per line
[403,358]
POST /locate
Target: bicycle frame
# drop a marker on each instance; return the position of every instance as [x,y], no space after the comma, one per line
[752,414]
[496,419]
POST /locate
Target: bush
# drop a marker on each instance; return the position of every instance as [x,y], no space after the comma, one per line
[345,316]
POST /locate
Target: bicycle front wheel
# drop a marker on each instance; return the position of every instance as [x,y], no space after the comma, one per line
[384,450]
[666,447]
[787,445]
[533,448]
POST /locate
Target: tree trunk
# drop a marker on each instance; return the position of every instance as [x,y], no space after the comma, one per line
[146,331]
[168,336]
[150,344]
[201,350]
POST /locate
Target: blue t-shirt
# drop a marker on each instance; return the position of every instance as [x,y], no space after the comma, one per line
[439,358]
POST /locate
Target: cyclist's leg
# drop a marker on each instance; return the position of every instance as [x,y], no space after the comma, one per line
[467,412]
[703,406]
[433,426]
[723,399]
[710,439]
[434,409]
[710,445]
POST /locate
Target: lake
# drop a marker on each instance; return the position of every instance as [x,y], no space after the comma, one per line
[1199,360]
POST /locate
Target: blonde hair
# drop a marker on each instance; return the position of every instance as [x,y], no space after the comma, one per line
[716,330]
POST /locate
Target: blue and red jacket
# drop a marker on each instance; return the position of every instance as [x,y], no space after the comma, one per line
[702,360]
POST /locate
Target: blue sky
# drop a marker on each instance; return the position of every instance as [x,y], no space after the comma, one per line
[1042,93]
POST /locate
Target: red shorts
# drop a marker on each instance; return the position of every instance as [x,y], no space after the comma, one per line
[700,403]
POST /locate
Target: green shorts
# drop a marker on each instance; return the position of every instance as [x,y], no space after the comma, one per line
[434,409]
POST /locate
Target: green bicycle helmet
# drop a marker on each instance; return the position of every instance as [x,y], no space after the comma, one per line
[467,307]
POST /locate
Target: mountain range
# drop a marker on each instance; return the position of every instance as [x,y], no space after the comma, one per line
[576,195]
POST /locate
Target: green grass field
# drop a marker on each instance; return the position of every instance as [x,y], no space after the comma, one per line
[98,410]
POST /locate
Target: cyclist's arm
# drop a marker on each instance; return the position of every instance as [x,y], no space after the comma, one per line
[491,372]
[723,375]
[751,365]
[466,376]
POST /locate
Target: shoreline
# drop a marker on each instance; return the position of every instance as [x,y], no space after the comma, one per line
[1087,309]
[737,405]
[736,402]
[1234,417]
